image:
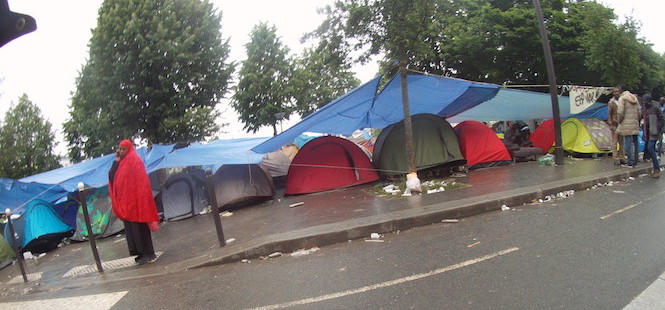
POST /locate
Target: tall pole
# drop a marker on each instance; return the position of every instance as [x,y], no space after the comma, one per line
[408,127]
[12,237]
[212,200]
[549,63]
[88,226]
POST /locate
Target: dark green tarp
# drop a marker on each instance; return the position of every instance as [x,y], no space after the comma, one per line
[435,142]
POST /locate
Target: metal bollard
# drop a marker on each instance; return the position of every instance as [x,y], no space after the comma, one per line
[18,253]
[212,199]
[86,216]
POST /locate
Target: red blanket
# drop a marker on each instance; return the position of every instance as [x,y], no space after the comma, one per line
[130,191]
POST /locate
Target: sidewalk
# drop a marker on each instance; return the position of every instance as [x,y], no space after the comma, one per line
[322,219]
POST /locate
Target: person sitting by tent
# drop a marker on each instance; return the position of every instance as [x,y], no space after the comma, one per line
[517,136]
[132,201]
[518,144]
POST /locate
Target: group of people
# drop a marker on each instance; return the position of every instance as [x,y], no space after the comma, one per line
[627,115]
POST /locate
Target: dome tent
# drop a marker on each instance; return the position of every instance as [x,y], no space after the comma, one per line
[434,140]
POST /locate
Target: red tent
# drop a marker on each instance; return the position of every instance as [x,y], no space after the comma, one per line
[480,145]
[327,163]
[543,136]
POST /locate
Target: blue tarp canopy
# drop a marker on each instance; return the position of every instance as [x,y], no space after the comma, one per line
[513,104]
[455,99]
[214,154]
[366,107]
[94,172]
[14,194]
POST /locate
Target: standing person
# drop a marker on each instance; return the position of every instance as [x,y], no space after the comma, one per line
[132,201]
[618,153]
[659,148]
[652,130]
[629,113]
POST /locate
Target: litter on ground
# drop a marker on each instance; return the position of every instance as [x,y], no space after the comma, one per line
[304,252]
[297,204]
[226,214]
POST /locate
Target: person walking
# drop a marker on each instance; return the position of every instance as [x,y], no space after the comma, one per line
[629,113]
[132,201]
[652,131]
[618,153]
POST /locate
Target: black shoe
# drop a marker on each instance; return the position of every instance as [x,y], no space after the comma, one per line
[147,259]
[137,258]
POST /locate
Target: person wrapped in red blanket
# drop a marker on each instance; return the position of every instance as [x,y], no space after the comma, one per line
[132,201]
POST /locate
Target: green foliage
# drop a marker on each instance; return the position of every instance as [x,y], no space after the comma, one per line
[321,76]
[26,142]
[497,41]
[264,89]
[156,71]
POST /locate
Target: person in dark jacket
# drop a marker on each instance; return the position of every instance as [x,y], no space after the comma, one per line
[652,130]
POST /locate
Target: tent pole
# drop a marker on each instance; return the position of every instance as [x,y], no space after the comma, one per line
[549,63]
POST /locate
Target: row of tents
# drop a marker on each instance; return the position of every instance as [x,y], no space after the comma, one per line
[246,169]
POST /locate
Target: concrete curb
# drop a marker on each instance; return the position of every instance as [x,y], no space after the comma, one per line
[328,234]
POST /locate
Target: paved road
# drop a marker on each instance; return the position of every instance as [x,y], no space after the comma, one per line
[598,249]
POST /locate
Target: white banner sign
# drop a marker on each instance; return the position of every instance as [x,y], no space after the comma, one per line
[582,97]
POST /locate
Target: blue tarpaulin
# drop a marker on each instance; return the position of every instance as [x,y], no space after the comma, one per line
[514,104]
[366,107]
[94,172]
[455,99]
[15,194]
[214,154]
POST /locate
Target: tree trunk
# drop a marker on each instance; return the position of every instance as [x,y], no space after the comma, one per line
[408,128]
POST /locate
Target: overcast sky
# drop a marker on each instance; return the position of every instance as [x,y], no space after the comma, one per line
[44,64]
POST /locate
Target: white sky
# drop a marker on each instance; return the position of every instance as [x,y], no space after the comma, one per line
[44,64]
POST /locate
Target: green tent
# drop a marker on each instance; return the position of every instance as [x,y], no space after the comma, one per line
[102,220]
[6,252]
[586,136]
[435,142]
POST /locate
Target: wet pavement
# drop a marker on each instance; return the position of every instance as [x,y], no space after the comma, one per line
[323,218]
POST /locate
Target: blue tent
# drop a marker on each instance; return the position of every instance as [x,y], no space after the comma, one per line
[369,107]
[39,229]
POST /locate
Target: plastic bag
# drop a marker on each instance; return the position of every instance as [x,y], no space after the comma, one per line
[153,226]
[546,160]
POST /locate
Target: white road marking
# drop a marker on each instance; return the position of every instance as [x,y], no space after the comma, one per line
[651,298]
[631,206]
[31,277]
[109,265]
[89,302]
[387,283]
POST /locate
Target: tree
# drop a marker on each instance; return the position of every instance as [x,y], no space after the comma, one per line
[400,30]
[26,142]
[320,76]
[156,71]
[264,93]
